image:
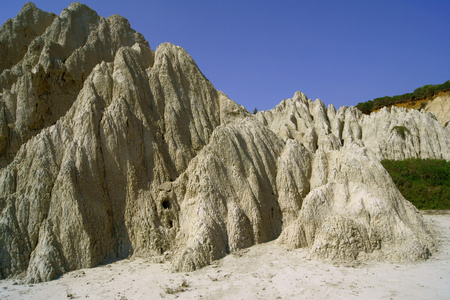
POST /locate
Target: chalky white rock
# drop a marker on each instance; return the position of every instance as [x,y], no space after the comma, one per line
[110,149]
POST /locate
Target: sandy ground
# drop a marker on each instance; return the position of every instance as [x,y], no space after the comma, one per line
[264,271]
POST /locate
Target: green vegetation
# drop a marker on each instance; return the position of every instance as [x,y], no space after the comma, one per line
[255,111]
[424,92]
[401,130]
[424,182]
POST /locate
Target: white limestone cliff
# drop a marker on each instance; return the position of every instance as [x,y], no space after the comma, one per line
[136,153]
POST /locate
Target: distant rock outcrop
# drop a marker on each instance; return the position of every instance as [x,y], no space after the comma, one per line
[440,107]
[110,149]
[391,133]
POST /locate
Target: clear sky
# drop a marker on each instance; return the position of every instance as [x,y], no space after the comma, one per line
[261,52]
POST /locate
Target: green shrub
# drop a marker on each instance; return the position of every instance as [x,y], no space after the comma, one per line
[423,92]
[424,182]
[401,130]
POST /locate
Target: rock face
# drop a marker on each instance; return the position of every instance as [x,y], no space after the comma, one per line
[440,106]
[44,60]
[110,149]
[394,133]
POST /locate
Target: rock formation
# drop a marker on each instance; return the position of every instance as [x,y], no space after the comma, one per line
[394,133]
[440,106]
[110,149]
[44,60]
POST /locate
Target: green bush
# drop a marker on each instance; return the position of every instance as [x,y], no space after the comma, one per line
[401,130]
[424,182]
[423,92]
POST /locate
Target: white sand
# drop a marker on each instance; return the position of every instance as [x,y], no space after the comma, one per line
[261,272]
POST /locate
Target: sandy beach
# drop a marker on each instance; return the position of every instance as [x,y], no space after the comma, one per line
[265,271]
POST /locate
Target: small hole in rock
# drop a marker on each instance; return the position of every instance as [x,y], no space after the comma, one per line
[166,204]
[170,223]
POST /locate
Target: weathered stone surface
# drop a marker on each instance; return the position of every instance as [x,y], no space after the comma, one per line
[393,133]
[440,107]
[16,34]
[358,212]
[44,61]
[145,157]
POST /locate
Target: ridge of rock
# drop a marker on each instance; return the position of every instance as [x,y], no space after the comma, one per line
[45,60]
[136,153]
[393,133]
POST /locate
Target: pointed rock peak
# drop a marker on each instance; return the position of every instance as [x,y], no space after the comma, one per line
[174,54]
[331,108]
[170,48]
[28,6]
[77,6]
[299,96]
[290,102]
[118,20]
[342,109]
[319,103]
[16,34]
[29,10]
[78,9]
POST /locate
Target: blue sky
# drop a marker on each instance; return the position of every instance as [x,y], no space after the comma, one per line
[261,52]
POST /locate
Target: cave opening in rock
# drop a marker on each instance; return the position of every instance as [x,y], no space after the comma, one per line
[166,204]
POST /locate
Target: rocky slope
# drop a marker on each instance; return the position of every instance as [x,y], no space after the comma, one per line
[440,107]
[394,133]
[44,60]
[110,149]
